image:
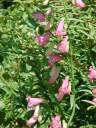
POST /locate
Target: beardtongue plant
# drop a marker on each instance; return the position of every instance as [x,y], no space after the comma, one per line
[79,3]
[39,16]
[52,59]
[64,89]
[54,74]
[50,64]
[31,103]
[63,47]
[56,122]
[92,74]
[59,31]
[43,39]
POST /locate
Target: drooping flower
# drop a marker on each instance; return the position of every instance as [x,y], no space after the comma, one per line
[39,16]
[34,118]
[64,89]
[33,101]
[94,91]
[92,102]
[32,121]
[92,74]
[56,122]
[59,31]
[53,59]
[54,74]
[63,47]
[79,3]
[43,39]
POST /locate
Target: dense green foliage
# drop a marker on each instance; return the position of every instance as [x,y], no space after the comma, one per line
[24,66]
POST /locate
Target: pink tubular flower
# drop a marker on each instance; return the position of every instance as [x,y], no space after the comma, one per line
[92,74]
[34,101]
[32,121]
[43,39]
[63,47]
[94,91]
[55,123]
[54,74]
[34,118]
[64,89]
[93,102]
[59,31]
[79,3]
[39,16]
[53,58]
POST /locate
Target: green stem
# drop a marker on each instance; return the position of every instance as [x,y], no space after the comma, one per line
[72,115]
[72,73]
[73,87]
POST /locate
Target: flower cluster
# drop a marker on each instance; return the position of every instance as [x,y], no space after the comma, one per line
[33,102]
[56,122]
[63,48]
[92,78]
[79,3]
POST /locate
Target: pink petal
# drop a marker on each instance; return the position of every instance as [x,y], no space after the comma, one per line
[94,100]
[39,16]
[59,30]
[31,121]
[43,39]
[56,122]
[92,74]
[33,101]
[90,102]
[79,3]
[60,96]
[57,118]
[53,59]
[54,74]
[63,47]
[94,91]
[49,126]
[64,89]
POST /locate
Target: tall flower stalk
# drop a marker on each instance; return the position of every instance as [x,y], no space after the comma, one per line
[73,88]
[72,73]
